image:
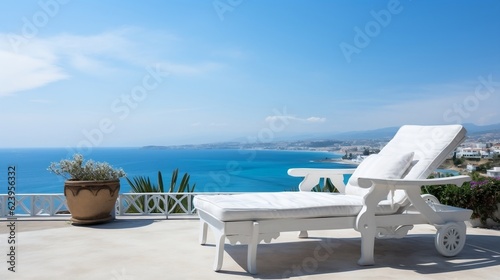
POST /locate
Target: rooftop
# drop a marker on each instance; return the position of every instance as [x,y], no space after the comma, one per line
[135,248]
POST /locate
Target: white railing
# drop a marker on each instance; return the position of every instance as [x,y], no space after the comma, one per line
[154,204]
[33,205]
[128,204]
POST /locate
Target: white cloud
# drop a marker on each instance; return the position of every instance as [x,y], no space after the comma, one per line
[218,124]
[23,72]
[47,60]
[316,120]
[87,64]
[286,118]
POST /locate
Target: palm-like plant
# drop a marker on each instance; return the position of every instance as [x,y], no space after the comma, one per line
[328,187]
[183,188]
[143,184]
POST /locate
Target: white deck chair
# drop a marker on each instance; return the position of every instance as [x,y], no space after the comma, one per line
[381,199]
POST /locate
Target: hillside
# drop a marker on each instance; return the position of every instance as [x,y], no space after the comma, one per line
[485,163]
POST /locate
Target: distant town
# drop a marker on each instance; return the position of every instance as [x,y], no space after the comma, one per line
[479,152]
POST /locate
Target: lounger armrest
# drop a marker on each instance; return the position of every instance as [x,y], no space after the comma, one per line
[322,172]
[405,183]
[313,176]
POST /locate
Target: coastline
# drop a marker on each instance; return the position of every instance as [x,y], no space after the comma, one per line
[339,161]
[222,170]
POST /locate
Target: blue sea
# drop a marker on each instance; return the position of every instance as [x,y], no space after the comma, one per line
[211,170]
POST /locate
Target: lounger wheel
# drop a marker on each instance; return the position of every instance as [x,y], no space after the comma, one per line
[450,239]
[429,198]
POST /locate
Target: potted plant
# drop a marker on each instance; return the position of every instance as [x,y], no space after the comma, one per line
[91,188]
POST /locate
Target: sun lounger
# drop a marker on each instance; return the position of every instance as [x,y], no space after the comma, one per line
[381,200]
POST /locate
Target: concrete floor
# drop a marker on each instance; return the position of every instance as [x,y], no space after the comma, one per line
[133,249]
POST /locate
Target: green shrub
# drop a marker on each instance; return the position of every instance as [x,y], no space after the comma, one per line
[142,184]
[481,195]
[458,161]
[328,187]
[77,169]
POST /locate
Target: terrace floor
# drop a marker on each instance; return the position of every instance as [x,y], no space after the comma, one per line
[133,249]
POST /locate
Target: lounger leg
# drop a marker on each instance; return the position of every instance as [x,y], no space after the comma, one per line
[203,233]
[303,234]
[252,249]
[219,249]
[366,225]
[367,248]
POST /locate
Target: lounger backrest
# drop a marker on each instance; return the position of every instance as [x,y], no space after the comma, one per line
[429,145]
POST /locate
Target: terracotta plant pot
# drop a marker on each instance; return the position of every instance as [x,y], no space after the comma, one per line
[91,202]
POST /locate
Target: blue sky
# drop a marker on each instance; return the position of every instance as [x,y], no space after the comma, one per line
[132,73]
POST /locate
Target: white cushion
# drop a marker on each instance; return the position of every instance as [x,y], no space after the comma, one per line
[283,205]
[431,145]
[380,167]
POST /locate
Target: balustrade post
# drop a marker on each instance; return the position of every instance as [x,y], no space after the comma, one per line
[32,210]
[166,205]
[190,205]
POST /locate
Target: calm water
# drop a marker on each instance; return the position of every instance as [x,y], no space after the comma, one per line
[211,170]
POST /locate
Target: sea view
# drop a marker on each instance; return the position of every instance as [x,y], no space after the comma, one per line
[212,170]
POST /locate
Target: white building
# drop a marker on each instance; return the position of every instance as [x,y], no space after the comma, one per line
[495,172]
[471,167]
[481,145]
[496,149]
[469,153]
